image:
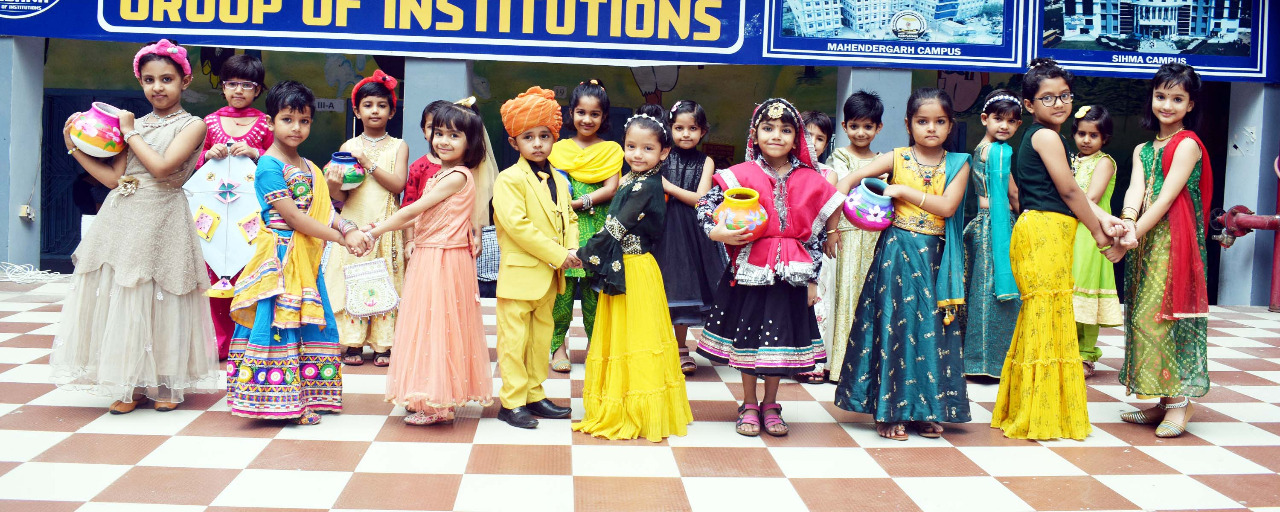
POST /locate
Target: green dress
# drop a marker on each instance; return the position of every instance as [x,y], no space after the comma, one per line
[1094,299]
[1161,358]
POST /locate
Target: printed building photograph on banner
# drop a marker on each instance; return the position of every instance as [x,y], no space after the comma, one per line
[1190,27]
[927,21]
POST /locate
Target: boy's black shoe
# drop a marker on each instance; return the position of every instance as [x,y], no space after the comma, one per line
[548,409]
[518,417]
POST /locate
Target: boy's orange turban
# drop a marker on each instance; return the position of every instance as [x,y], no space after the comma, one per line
[531,109]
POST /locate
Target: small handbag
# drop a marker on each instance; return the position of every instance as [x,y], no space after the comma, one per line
[370,291]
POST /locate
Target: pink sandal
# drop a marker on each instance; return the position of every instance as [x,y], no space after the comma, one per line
[421,418]
[774,420]
[743,419]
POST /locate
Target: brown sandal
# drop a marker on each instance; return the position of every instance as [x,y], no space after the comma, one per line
[382,359]
[122,407]
[354,356]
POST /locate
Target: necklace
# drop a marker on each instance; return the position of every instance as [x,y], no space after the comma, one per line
[151,120]
[238,123]
[374,140]
[1162,139]
[926,172]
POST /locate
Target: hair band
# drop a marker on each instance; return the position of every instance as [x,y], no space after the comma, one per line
[1001,97]
[163,48]
[645,116]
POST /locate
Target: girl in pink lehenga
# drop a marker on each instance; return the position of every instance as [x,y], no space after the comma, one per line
[442,361]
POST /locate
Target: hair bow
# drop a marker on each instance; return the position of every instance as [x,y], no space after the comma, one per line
[467,102]
[378,76]
[163,48]
[1083,112]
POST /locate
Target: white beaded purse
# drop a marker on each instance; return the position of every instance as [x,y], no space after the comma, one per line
[370,291]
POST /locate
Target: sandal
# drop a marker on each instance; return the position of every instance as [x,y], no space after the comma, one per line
[1167,428]
[561,365]
[421,418]
[813,377]
[354,356]
[892,431]
[774,420]
[744,420]
[309,417]
[928,429]
[688,365]
[1088,369]
[122,407]
[382,359]
[1142,416]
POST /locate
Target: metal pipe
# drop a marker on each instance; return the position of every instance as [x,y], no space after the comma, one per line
[1240,221]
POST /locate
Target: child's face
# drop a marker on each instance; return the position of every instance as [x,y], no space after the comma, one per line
[1170,103]
[534,144]
[930,125]
[375,111]
[1088,138]
[1051,91]
[820,140]
[587,116]
[426,127]
[163,83]
[450,145]
[861,132]
[1000,125]
[775,138]
[239,92]
[686,131]
[642,149]
[291,127]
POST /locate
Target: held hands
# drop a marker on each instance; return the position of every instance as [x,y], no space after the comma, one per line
[727,236]
[357,242]
[571,260]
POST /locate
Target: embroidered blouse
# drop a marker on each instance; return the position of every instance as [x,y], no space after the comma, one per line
[798,206]
[278,181]
[258,137]
[635,223]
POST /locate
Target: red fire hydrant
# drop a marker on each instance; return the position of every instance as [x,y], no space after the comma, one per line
[1240,221]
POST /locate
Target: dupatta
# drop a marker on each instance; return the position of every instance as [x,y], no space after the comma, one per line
[1189,299]
[291,281]
[596,163]
[998,162]
[950,285]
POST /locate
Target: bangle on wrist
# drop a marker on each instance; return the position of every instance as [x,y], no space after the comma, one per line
[923,197]
[129,134]
[73,150]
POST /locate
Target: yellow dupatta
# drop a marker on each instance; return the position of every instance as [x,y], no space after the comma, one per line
[293,281]
[596,163]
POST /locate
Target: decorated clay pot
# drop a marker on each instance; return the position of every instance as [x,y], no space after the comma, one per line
[867,208]
[97,131]
[741,209]
[352,174]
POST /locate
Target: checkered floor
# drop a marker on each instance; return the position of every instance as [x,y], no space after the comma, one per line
[60,451]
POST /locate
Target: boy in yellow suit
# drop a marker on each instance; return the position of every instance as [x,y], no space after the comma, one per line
[538,238]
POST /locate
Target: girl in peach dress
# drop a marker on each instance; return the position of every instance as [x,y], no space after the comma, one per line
[442,361]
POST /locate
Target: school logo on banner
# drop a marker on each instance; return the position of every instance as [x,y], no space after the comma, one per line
[24,8]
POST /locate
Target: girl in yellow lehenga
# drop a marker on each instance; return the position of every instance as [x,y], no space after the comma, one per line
[386,161]
[1042,390]
[634,387]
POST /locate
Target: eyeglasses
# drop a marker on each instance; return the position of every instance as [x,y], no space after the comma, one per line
[245,86]
[1048,100]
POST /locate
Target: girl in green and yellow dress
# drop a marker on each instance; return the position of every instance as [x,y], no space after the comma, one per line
[1095,300]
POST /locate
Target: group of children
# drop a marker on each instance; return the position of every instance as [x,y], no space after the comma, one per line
[896,318]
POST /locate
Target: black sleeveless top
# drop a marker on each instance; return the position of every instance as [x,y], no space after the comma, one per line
[1036,190]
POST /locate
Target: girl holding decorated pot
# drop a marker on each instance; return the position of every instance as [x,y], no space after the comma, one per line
[237,129]
[442,359]
[690,262]
[1042,391]
[762,321]
[285,359]
[593,165]
[634,387]
[136,324]
[903,365]
[992,299]
[1095,300]
[385,160]
[1166,211]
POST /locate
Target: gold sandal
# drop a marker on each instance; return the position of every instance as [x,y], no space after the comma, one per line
[1168,429]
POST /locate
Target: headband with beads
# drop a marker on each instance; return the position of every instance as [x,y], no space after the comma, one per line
[1002,97]
[646,116]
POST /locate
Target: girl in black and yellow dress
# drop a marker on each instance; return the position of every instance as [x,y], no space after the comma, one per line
[633,385]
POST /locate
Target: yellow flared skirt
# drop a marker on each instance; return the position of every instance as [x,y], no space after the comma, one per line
[1042,390]
[633,385]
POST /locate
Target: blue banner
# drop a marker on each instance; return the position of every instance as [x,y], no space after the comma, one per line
[1224,39]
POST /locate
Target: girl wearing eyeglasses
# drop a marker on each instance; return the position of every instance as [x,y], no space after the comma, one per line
[237,129]
[1042,390]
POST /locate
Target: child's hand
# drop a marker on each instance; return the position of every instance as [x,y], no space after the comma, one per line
[571,260]
[217,152]
[1102,239]
[66,130]
[1115,253]
[358,243]
[813,293]
[126,121]
[333,176]
[896,191]
[727,236]
[357,152]
[243,149]
[408,250]
[832,245]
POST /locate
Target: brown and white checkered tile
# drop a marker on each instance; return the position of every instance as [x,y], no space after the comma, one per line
[60,451]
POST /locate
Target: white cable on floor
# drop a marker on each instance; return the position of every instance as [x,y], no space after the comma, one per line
[27,274]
